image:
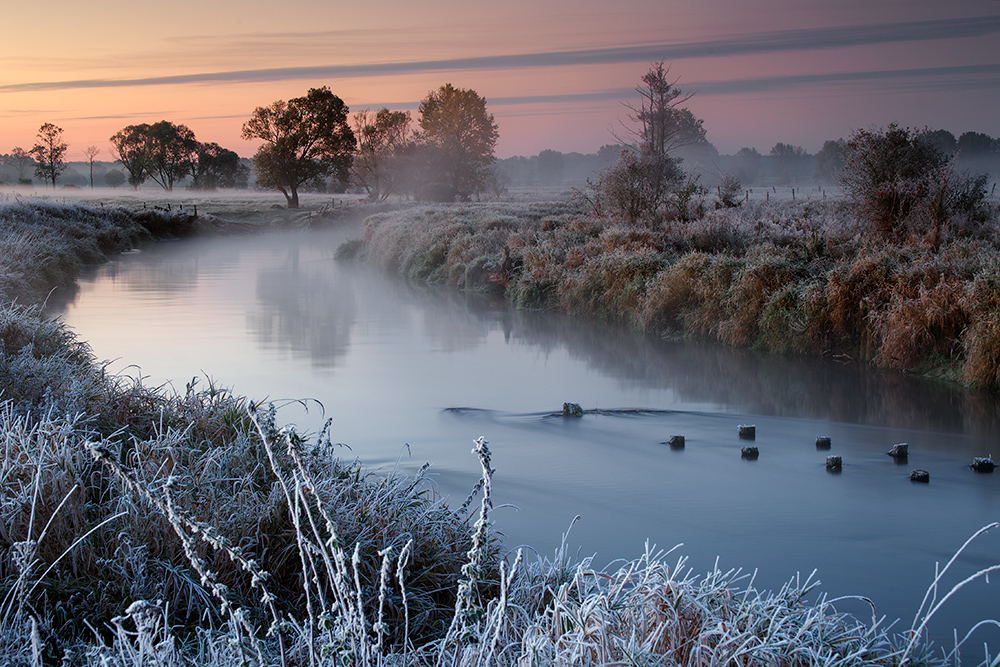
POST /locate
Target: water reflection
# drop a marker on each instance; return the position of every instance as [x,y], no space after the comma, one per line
[301,309]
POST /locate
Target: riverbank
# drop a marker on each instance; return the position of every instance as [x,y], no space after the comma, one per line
[796,277]
[166,471]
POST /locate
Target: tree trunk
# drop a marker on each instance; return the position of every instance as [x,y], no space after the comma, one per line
[293,197]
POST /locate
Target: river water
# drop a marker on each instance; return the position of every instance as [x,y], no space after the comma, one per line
[412,375]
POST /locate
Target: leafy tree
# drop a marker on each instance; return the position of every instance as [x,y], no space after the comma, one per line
[378,165]
[460,137]
[749,165]
[304,139]
[130,147]
[171,151]
[217,167]
[550,167]
[49,153]
[977,145]
[20,159]
[114,178]
[944,141]
[830,160]
[788,160]
[91,152]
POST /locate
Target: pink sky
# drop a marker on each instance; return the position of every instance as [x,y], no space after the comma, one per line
[554,72]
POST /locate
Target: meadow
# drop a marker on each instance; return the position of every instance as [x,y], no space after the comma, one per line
[143,526]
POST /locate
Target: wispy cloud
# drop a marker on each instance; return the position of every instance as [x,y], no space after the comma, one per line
[757,43]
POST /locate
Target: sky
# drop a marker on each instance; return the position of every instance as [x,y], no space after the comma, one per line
[556,74]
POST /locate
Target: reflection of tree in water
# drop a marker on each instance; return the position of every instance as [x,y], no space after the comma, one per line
[305,312]
[752,383]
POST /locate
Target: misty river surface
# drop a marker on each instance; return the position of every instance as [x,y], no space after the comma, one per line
[416,375]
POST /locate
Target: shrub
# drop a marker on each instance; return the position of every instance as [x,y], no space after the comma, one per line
[901,182]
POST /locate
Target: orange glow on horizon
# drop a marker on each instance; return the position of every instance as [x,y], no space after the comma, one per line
[555,73]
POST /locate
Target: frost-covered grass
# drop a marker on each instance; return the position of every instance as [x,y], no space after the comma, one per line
[143,527]
[783,276]
[46,244]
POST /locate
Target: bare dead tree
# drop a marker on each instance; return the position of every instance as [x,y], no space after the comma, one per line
[91,152]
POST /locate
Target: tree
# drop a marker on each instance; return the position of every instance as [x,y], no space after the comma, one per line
[550,167]
[114,178]
[749,165]
[897,177]
[382,140]
[646,175]
[217,167]
[304,139]
[830,160]
[788,161]
[663,124]
[91,152]
[460,136]
[129,146]
[21,159]
[49,153]
[171,151]
[944,141]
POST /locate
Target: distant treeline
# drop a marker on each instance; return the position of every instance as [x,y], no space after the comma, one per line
[783,164]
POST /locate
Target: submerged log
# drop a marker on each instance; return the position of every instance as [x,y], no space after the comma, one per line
[834,463]
[748,431]
[750,453]
[822,442]
[572,410]
[899,450]
[920,476]
[983,464]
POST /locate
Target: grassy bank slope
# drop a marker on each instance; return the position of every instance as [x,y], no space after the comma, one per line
[140,527]
[790,277]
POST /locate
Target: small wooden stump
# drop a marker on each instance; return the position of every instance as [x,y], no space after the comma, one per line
[920,476]
[676,442]
[983,464]
[899,450]
[748,431]
[834,463]
[822,442]
[749,453]
[572,410]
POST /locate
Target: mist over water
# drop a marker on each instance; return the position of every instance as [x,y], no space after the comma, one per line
[411,375]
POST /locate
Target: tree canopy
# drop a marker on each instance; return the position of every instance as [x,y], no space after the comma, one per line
[382,141]
[460,135]
[128,145]
[304,138]
[49,152]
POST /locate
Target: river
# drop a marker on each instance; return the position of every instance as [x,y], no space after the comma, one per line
[412,375]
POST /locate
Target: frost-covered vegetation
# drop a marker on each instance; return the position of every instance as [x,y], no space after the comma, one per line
[800,276]
[139,526]
[44,244]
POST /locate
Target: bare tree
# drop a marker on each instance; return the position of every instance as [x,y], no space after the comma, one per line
[91,152]
[663,124]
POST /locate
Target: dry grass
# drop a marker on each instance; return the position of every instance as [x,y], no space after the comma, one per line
[784,276]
